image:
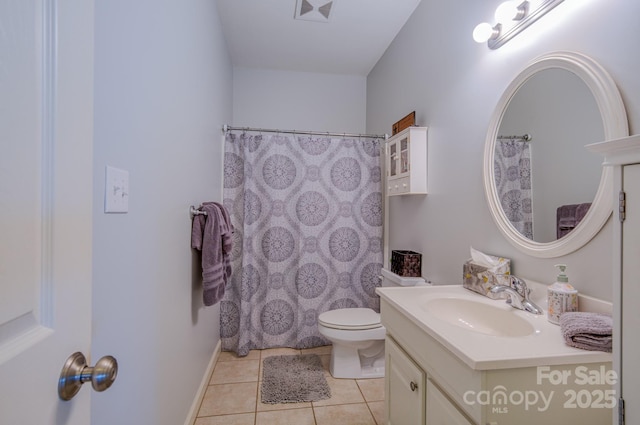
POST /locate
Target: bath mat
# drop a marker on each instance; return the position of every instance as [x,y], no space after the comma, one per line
[293,379]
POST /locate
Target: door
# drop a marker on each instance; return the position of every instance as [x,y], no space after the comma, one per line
[404,387]
[630,352]
[46,126]
[440,410]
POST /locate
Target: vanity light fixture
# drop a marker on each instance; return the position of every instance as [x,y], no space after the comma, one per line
[512,17]
[485,32]
[511,11]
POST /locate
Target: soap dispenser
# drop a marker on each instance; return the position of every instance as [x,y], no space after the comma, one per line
[562,296]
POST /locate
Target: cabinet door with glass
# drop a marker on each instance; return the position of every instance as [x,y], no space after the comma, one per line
[399,157]
[407,162]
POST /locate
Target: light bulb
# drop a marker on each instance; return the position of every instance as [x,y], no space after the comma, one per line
[482,32]
[506,12]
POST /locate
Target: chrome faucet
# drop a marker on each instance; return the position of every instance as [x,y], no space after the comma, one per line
[517,295]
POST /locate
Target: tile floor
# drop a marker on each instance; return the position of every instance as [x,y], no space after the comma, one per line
[233,396]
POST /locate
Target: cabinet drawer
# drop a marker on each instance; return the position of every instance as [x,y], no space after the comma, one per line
[398,186]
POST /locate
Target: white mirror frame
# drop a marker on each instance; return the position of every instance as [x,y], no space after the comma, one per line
[614,119]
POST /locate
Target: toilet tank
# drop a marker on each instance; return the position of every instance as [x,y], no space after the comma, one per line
[391,279]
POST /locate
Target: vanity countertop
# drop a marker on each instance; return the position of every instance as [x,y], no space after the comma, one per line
[543,347]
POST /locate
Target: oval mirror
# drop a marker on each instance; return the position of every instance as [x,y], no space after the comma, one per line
[546,192]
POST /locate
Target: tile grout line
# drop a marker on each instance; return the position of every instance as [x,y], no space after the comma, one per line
[375,421]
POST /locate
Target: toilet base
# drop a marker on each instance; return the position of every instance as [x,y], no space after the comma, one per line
[352,362]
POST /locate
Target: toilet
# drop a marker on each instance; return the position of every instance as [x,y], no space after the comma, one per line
[358,336]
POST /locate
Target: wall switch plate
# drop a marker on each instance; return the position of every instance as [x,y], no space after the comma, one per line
[116,190]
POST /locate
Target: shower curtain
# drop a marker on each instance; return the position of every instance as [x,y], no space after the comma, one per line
[307,212]
[512,171]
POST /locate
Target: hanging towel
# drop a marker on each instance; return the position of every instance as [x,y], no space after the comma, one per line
[589,331]
[213,235]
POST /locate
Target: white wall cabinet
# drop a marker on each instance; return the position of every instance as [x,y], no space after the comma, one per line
[624,155]
[406,162]
[630,287]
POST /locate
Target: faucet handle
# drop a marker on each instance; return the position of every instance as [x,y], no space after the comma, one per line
[521,286]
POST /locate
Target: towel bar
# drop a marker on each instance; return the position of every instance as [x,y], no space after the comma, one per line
[526,137]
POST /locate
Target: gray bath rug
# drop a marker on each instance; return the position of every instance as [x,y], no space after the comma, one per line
[293,379]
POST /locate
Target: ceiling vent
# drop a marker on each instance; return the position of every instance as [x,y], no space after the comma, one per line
[314,10]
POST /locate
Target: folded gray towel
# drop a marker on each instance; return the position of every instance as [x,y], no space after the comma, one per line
[589,331]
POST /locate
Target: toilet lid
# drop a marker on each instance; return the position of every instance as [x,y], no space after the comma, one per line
[350,318]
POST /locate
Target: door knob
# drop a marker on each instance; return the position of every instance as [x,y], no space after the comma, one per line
[76,372]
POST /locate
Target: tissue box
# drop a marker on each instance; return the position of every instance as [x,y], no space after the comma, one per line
[406,263]
[480,279]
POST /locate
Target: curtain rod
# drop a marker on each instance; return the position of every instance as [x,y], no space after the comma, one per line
[526,137]
[226,128]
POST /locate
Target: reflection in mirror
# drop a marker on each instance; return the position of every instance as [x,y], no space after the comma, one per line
[564,100]
[547,183]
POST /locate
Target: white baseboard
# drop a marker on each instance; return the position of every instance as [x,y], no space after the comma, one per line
[193,412]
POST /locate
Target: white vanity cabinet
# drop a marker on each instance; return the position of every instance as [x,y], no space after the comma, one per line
[406,162]
[412,398]
[447,391]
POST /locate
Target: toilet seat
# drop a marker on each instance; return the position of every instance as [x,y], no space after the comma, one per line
[350,319]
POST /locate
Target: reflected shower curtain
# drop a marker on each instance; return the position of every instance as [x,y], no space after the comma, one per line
[307,212]
[512,170]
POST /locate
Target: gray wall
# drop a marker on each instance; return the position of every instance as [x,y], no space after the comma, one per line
[435,68]
[163,82]
[299,100]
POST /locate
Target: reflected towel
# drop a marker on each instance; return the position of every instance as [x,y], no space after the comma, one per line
[569,216]
[588,331]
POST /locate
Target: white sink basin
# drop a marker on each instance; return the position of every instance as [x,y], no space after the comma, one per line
[479,317]
[481,332]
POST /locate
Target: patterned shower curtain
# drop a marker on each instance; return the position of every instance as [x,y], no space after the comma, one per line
[307,212]
[512,170]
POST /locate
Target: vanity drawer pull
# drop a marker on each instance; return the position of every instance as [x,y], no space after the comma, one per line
[413,386]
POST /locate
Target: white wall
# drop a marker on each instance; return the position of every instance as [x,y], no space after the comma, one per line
[163,82]
[289,100]
[435,68]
